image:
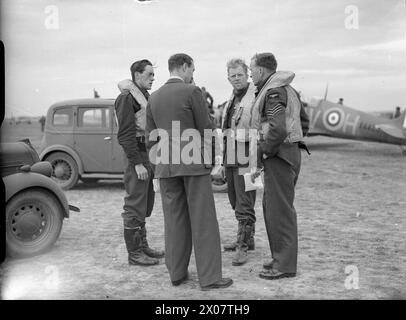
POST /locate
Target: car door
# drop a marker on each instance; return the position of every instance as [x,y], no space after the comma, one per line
[119,157]
[93,138]
[59,129]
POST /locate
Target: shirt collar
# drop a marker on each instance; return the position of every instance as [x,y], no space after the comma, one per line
[175,77]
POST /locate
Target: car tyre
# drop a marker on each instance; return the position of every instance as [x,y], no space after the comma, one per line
[219,185]
[65,169]
[33,222]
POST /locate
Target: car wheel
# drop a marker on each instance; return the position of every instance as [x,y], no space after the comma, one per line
[65,169]
[33,222]
[219,185]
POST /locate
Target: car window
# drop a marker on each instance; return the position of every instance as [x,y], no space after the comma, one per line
[94,118]
[63,117]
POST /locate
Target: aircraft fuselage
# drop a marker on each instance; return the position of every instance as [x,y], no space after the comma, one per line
[339,121]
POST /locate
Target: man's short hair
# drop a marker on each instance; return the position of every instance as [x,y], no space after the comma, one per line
[236,62]
[139,66]
[266,60]
[177,60]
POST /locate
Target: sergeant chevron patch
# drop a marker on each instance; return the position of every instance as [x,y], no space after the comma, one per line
[272,112]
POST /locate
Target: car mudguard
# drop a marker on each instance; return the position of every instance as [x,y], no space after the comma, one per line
[21,181]
[63,148]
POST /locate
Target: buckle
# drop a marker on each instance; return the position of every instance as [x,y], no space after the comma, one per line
[141,139]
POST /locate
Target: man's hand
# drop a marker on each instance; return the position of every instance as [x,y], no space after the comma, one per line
[142,172]
[255,174]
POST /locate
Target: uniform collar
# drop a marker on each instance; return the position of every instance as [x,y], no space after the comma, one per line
[262,83]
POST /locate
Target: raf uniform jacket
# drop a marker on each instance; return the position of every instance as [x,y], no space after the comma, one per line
[177,104]
[275,103]
[126,107]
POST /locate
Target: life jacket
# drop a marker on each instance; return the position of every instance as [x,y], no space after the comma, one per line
[293,123]
[242,115]
[140,117]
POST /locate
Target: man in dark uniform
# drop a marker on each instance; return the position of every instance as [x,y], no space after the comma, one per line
[283,123]
[237,116]
[130,108]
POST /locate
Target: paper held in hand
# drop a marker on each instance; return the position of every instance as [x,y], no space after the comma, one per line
[256,185]
[217,172]
[155,183]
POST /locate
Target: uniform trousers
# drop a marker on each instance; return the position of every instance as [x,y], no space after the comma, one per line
[139,198]
[242,202]
[280,178]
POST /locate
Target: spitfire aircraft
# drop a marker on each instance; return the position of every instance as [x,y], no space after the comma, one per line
[336,120]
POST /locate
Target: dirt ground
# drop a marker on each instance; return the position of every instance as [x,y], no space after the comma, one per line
[351,205]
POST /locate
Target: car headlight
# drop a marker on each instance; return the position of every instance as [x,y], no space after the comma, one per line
[42,167]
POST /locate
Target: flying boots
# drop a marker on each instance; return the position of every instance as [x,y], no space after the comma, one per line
[241,254]
[136,255]
[251,242]
[146,249]
[232,246]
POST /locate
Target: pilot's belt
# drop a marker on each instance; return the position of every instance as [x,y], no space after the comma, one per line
[141,143]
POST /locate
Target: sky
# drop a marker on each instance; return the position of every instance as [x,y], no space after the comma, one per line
[59,50]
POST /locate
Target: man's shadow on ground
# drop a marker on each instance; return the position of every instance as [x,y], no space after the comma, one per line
[101,184]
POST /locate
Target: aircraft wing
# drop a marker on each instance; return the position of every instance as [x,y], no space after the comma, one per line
[391,130]
[317,132]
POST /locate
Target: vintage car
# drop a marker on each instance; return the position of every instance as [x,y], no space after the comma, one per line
[35,204]
[80,142]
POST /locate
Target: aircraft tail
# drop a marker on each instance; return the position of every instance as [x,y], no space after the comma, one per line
[398,127]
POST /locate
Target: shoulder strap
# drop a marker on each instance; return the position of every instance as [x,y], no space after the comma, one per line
[138,96]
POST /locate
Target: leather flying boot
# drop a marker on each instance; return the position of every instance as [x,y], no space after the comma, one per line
[136,256]
[251,243]
[232,246]
[241,254]
[145,247]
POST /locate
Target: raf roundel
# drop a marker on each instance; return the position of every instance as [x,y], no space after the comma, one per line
[333,118]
